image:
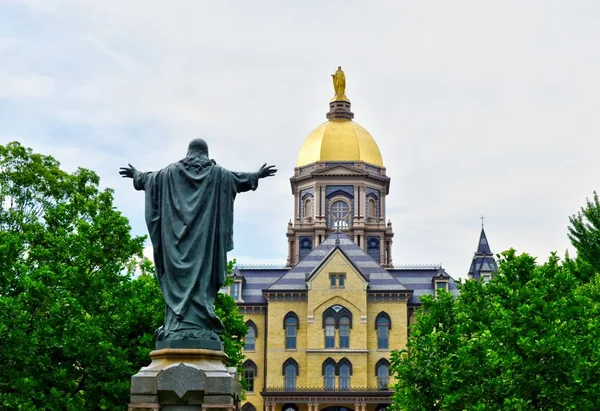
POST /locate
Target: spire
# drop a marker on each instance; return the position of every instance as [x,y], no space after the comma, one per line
[483,247]
[339,107]
[484,263]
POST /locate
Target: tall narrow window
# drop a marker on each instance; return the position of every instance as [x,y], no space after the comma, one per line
[383,330]
[382,369]
[235,291]
[250,372]
[329,332]
[290,371]
[250,339]
[344,377]
[329,377]
[344,332]
[291,326]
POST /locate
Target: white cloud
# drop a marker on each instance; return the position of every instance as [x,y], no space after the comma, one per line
[25,86]
[478,107]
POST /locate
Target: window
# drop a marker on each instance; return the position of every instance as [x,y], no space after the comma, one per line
[373,248]
[250,372]
[383,328]
[344,376]
[382,371]
[235,290]
[248,407]
[329,375]
[337,280]
[338,317]
[290,323]
[339,215]
[290,372]
[344,332]
[250,339]
[329,332]
[441,285]
[372,208]
[486,277]
[308,211]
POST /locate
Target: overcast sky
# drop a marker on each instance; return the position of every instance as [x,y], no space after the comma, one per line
[478,107]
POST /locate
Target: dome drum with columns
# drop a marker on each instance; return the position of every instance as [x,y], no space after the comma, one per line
[340,184]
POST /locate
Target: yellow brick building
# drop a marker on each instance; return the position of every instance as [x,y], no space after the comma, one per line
[321,327]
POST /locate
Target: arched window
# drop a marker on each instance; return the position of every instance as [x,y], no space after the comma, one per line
[250,373]
[344,369]
[329,332]
[290,324]
[250,339]
[372,208]
[344,332]
[289,407]
[383,325]
[248,407]
[339,215]
[308,211]
[329,374]
[383,373]
[290,372]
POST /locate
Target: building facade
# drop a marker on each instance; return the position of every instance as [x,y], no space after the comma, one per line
[321,327]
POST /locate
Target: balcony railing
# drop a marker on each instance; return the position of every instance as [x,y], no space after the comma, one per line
[323,389]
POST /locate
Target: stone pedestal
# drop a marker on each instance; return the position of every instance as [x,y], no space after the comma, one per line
[185,380]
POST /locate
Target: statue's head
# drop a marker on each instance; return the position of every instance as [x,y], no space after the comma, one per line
[198,147]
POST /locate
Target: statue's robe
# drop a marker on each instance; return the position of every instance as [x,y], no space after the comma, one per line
[189,214]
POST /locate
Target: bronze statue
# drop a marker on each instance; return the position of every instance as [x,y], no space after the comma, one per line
[189,214]
[339,84]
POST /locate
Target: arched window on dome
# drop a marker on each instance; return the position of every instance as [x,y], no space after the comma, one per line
[308,209]
[372,209]
[339,215]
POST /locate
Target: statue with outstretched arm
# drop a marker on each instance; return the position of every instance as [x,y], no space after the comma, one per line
[189,214]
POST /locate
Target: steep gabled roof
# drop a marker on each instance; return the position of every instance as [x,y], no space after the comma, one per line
[378,278]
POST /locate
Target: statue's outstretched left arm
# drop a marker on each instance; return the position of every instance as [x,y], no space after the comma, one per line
[249,181]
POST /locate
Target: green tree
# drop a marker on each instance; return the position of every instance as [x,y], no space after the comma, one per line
[584,233]
[528,339]
[75,321]
[65,316]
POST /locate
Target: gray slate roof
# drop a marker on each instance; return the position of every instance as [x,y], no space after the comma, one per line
[416,279]
[378,278]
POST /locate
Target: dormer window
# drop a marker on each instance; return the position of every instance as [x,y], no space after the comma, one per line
[440,285]
[235,290]
[486,277]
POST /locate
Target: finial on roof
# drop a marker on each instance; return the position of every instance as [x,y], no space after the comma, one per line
[482,218]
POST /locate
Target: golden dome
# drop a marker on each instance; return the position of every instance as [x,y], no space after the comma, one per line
[339,140]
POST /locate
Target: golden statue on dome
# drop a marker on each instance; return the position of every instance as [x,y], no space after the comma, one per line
[339,85]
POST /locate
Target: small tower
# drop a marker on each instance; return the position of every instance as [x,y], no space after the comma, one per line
[483,264]
[340,184]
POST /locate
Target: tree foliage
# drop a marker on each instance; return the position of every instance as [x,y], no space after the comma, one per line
[528,339]
[584,233]
[75,323]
